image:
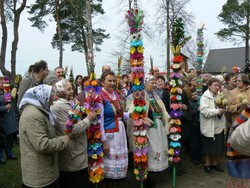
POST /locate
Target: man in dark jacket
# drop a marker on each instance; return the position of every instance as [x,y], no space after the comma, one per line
[40,71]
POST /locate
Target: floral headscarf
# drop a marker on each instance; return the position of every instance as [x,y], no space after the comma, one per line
[39,96]
[148,78]
[60,89]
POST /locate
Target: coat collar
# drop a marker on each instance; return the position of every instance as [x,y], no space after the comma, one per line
[209,94]
[246,88]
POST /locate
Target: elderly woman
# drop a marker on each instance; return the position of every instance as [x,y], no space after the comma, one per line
[212,124]
[73,160]
[38,142]
[157,119]
[238,95]
[115,146]
[191,84]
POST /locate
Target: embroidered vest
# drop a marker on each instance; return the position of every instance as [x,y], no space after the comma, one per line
[110,118]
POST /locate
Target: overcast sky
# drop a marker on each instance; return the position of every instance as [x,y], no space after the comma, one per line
[34,45]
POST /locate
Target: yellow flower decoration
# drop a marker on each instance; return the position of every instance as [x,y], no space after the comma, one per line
[173,90]
[175,121]
[132,50]
[96,178]
[136,81]
[94,156]
[171,151]
[136,171]
[140,49]
[98,111]
[88,111]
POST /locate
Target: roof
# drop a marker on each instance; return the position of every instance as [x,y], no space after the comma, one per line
[226,57]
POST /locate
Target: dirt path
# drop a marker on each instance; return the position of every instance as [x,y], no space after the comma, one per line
[194,178]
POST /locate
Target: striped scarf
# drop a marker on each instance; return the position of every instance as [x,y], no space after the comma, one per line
[238,164]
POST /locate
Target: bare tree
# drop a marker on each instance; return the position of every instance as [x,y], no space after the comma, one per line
[59,31]
[89,52]
[12,10]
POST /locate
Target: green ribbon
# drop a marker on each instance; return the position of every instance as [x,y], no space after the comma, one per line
[154,116]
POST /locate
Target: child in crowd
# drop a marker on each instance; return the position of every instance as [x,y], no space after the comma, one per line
[194,123]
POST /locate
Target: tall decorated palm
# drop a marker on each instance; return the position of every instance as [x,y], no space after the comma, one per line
[135,20]
[199,60]
[200,48]
[178,40]
[92,103]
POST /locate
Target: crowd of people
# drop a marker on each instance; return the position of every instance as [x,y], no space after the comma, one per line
[49,158]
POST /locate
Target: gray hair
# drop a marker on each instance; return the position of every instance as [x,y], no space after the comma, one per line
[50,80]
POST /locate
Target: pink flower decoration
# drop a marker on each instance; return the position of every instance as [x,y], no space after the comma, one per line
[174,106]
[179,90]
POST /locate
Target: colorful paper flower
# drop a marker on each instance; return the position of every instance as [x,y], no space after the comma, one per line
[175,75]
[172,83]
[177,59]
[176,66]
[175,113]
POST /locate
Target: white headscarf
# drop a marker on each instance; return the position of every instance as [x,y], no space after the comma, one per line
[148,78]
[39,96]
[60,85]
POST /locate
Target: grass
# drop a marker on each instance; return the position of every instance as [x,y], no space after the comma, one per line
[10,173]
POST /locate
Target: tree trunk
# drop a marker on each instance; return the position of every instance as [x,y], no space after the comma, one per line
[59,32]
[90,52]
[4,41]
[17,14]
[168,40]
[247,35]
[130,4]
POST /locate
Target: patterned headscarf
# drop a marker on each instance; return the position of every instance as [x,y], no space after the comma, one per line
[148,78]
[60,89]
[39,96]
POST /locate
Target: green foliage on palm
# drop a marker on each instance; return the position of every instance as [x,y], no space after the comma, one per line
[178,33]
[234,14]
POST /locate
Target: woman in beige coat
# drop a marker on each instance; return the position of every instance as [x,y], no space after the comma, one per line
[73,160]
[38,142]
[237,95]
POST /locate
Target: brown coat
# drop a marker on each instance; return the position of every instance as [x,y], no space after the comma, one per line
[234,101]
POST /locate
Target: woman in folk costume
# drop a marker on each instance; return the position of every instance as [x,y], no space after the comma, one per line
[238,151]
[115,147]
[73,160]
[157,119]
